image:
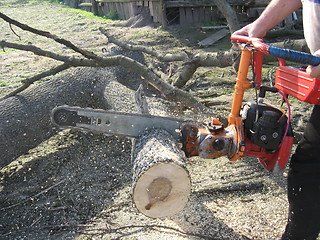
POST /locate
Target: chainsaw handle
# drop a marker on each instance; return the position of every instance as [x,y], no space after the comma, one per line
[286,54]
[294,56]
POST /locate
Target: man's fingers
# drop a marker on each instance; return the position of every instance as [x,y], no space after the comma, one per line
[313,71]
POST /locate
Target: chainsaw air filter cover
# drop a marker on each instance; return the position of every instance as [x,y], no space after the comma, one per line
[264,125]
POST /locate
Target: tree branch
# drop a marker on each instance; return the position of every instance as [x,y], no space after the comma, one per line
[67,43]
[186,74]
[190,61]
[165,88]
[36,50]
[168,57]
[27,82]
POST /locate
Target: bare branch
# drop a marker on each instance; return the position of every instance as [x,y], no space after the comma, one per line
[14,31]
[165,88]
[159,73]
[36,50]
[185,75]
[191,63]
[27,82]
[217,59]
[161,57]
[67,43]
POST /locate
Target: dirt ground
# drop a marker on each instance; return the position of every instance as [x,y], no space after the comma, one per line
[77,185]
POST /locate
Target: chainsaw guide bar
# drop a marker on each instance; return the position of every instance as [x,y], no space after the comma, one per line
[114,123]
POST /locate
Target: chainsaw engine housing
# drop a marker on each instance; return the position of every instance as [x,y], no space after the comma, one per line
[264,125]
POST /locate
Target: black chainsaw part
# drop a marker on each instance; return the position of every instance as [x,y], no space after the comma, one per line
[264,89]
[264,125]
[64,117]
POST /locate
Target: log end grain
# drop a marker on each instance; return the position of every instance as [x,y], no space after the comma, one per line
[162,191]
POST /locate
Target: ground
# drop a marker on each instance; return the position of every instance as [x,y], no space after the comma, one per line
[77,185]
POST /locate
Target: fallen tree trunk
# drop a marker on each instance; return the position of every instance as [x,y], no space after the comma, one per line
[161,182]
[25,118]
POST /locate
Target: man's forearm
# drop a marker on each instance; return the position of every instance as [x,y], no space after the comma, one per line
[277,11]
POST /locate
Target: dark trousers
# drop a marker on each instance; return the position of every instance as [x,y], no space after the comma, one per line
[304,184]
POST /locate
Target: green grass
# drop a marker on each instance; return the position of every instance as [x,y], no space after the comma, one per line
[7,50]
[139,35]
[3,84]
[112,15]
[41,1]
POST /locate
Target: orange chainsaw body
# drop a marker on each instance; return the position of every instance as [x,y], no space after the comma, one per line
[216,141]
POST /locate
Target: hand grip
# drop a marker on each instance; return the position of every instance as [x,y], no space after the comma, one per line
[286,54]
[294,56]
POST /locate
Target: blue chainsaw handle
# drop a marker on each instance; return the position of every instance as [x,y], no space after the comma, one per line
[294,56]
[286,54]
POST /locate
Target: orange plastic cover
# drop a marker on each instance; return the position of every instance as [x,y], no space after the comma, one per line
[298,83]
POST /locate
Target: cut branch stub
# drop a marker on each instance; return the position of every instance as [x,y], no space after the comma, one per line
[161,182]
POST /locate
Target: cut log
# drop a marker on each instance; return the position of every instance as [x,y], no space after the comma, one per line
[161,182]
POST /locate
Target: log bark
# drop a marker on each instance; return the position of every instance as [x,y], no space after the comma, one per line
[161,182]
[25,118]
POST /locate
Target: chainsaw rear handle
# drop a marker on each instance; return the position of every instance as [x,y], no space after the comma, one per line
[286,54]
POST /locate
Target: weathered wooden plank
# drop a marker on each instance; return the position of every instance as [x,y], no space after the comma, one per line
[201,14]
[182,15]
[112,7]
[189,16]
[108,9]
[207,14]
[214,38]
[170,4]
[103,9]
[133,7]
[163,13]
[150,5]
[85,4]
[126,12]
[156,11]
[214,27]
[113,1]
[196,15]
[119,10]
[256,3]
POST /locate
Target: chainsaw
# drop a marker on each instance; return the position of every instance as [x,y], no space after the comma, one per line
[254,129]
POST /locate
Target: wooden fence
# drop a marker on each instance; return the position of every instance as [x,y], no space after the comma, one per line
[168,12]
[128,8]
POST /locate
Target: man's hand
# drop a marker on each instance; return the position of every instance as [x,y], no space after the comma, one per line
[314,71]
[252,30]
[274,13]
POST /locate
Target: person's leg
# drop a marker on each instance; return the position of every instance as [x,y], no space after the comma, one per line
[304,184]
